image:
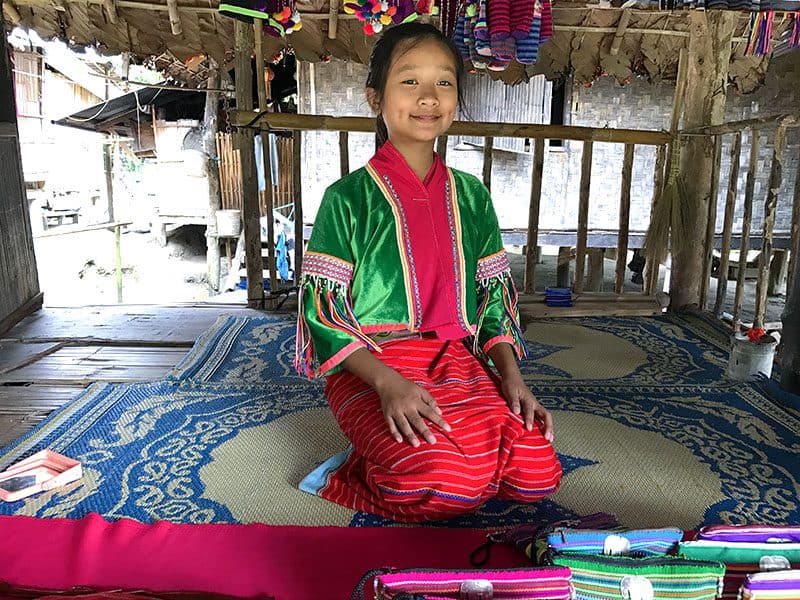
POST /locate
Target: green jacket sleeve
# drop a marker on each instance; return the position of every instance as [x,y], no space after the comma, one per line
[327,329]
[497,311]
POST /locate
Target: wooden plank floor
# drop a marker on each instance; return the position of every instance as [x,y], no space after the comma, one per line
[50,357]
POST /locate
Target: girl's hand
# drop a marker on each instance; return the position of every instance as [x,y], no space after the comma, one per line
[405,407]
[521,400]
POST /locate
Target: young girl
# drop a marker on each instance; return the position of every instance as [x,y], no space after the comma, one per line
[406,292]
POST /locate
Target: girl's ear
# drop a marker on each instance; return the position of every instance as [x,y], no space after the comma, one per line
[372,99]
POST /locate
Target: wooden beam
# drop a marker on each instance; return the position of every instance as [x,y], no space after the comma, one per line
[775,180]
[31,306]
[251,209]
[488,145]
[747,219]
[344,154]
[622,26]
[291,121]
[110,8]
[174,17]
[786,119]
[12,12]
[708,245]
[266,159]
[727,223]
[297,177]
[583,216]
[707,74]
[537,170]
[624,217]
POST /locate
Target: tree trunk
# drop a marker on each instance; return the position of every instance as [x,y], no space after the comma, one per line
[790,355]
[212,176]
[710,36]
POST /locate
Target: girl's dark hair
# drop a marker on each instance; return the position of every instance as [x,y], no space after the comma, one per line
[398,39]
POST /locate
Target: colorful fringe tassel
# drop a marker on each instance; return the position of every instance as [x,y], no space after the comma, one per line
[509,322]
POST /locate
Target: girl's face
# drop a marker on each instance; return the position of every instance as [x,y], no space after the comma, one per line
[421,95]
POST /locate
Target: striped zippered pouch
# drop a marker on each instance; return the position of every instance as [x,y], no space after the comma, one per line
[634,542]
[775,585]
[626,578]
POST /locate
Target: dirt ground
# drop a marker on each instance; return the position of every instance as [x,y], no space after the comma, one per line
[79,269]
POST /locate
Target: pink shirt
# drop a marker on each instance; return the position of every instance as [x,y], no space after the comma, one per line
[424,205]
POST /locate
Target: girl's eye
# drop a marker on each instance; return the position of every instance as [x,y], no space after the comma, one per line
[410,82]
[445,83]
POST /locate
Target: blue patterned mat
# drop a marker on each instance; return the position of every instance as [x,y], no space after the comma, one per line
[647,427]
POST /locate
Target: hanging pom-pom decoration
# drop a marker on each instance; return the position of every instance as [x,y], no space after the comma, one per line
[377,14]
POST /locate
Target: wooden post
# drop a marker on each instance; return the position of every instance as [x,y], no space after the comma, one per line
[652,267]
[624,217]
[622,26]
[794,247]
[727,223]
[712,221]
[251,211]
[583,216]
[777,272]
[212,176]
[488,144]
[790,354]
[118,261]
[441,147]
[297,174]
[747,219]
[266,159]
[594,282]
[108,169]
[344,153]
[333,20]
[537,170]
[562,266]
[175,18]
[710,35]
[775,180]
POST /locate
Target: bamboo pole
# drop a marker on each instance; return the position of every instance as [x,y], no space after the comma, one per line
[775,180]
[652,267]
[266,155]
[248,178]
[787,119]
[622,26]
[583,216]
[297,178]
[333,19]
[488,145]
[292,121]
[727,224]
[537,170]
[111,11]
[794,247]
[344,154]
[711,225]
[624,217]
[744,247]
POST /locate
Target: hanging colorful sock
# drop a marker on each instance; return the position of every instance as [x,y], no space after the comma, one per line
[522,18]
[504,48]
[481,31]
[546,31]
[528,49]
[499,13]
[478,61]
[458,36]
[794,39]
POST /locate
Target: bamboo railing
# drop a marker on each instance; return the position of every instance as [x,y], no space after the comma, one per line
[539,133]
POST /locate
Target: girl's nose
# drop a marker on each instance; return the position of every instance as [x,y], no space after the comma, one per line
[428,96]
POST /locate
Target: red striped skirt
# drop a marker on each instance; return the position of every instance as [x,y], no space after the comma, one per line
[488,453]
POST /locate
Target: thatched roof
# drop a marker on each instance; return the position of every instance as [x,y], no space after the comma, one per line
[581,43]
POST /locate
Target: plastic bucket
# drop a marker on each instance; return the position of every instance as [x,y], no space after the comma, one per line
[748,358]
[229,223]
